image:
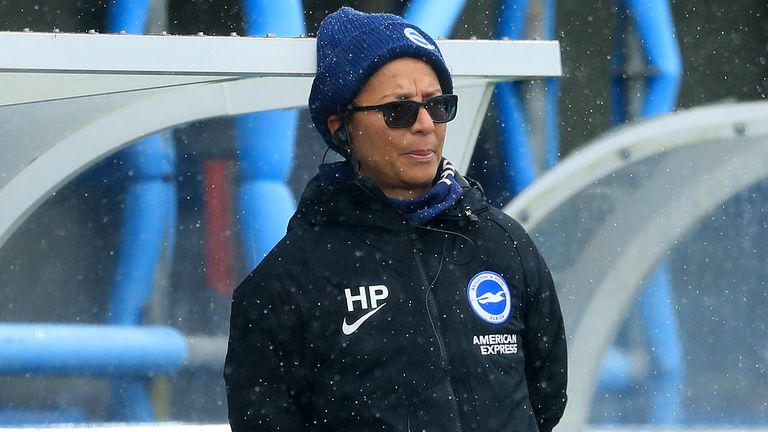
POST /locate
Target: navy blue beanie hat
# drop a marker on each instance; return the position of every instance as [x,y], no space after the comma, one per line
[351,47]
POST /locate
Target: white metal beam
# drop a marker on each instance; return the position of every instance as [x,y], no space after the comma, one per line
[216,55]
[143,61]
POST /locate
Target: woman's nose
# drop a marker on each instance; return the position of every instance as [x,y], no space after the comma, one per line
[423,122]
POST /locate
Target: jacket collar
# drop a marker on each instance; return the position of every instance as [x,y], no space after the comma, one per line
[335,196]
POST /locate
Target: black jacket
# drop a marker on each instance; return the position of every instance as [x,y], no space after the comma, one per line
[359,321]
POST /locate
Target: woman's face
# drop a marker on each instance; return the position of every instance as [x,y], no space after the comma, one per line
[403,162]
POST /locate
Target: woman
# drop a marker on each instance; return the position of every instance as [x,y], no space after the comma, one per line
[399,299]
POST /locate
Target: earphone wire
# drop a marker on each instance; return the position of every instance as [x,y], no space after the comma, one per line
[325,154]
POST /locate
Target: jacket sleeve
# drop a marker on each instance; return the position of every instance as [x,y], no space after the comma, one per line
[544,340]
[266,368]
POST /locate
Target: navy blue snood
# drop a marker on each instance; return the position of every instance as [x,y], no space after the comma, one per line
[445,191]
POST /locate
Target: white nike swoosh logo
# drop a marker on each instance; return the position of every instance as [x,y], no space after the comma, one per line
[348,329]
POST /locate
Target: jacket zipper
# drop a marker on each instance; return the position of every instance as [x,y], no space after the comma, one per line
[465,212]
[436,328]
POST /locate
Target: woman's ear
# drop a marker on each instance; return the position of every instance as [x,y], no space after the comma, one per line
[334,123]
[340,135]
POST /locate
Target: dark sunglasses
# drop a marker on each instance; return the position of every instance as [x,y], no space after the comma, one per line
[403,114]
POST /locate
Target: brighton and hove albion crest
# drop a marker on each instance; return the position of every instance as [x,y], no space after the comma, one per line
[489,297]
[417,38]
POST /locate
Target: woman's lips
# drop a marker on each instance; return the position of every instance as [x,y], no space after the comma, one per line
[421,155]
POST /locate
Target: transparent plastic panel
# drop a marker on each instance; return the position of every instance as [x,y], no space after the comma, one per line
[714,374]
[662,270]
[64,267]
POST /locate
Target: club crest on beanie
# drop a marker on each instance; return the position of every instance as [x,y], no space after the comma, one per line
[351,47]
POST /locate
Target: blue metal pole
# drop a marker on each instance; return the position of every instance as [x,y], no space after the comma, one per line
[655,27]
[551,93]
[513,130]
[657,306]
[284,18]
[145,228]
[512,19]
[513,136]
[127,15]
[436,17]
[552,121]
[101,350]
[653,22]
[265,143]
[149,211]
